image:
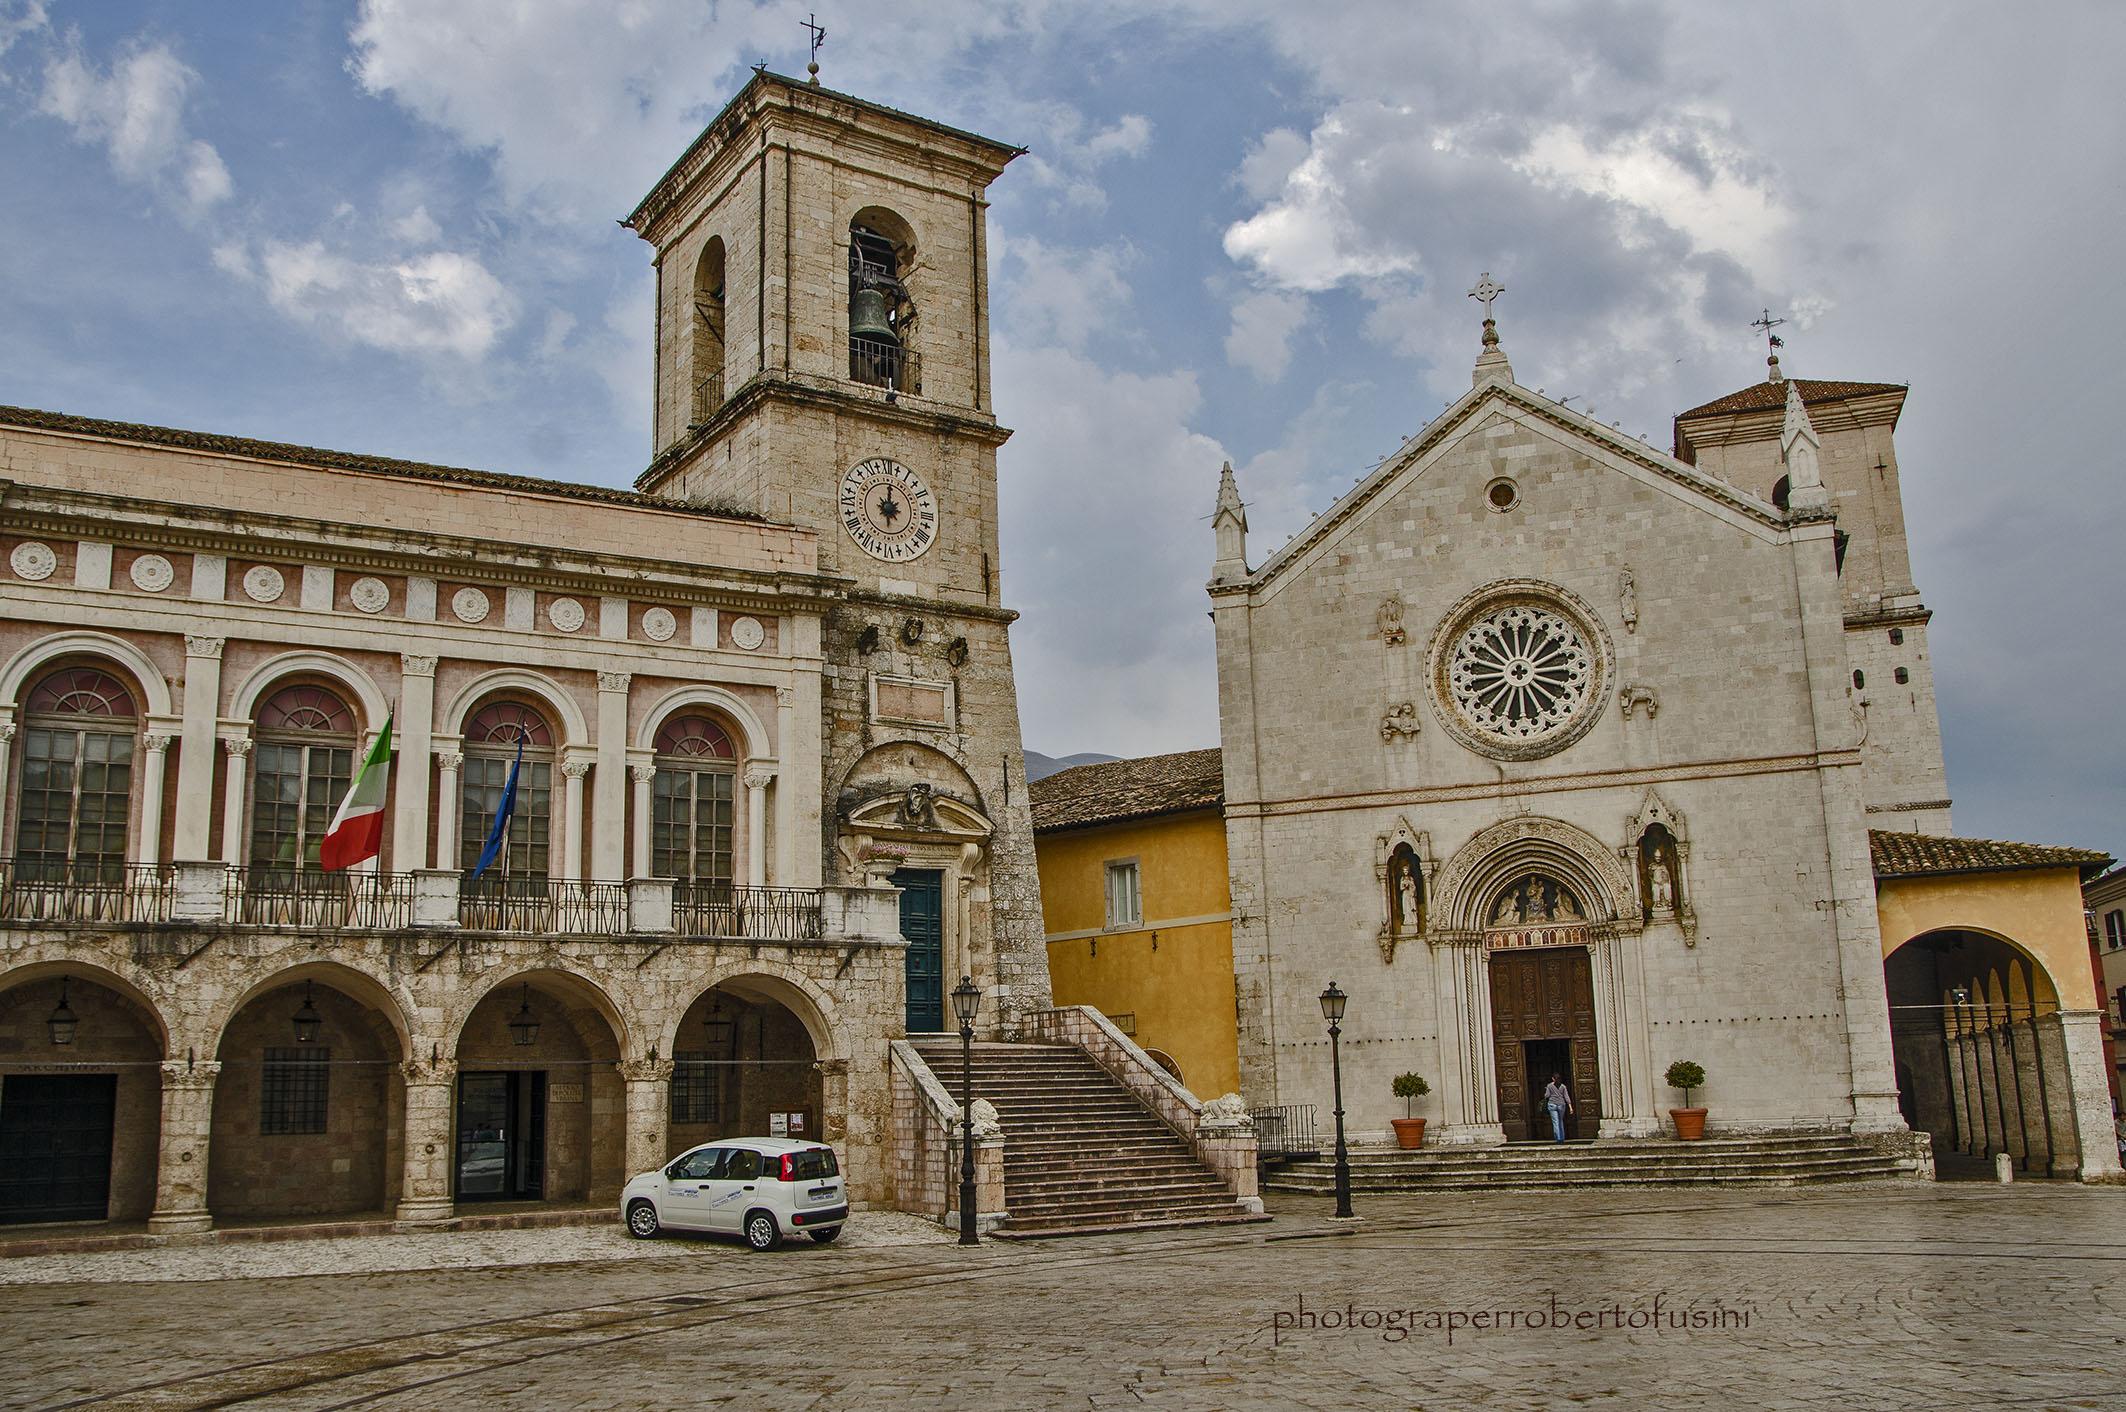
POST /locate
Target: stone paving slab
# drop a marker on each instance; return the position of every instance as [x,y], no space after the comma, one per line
[1876,1298]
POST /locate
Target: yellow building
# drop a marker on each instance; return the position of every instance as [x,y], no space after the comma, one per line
[1134,895]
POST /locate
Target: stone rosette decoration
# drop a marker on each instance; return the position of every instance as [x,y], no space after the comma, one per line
[566,614]
[469,605]
[263,584]
[33,560]
[369,594]
[151,573]
[1518,669]
[658,625]
[747,633]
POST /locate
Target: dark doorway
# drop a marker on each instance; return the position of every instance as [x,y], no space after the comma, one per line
[55,1146]
[1542,1021]
[923,927]
[502,1136]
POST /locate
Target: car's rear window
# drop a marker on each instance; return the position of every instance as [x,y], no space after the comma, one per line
[813,1164]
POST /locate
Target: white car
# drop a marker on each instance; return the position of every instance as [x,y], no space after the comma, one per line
[760,1187]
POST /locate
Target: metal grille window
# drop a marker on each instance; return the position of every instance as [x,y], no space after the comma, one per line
[1124,905]
[694,1087]
[691,810]
[301,769]
[491,738]
[77,776]
[292,1090]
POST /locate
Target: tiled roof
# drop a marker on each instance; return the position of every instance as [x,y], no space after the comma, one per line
[1918,855]
[1768,396]
[215,444]
[1114,790]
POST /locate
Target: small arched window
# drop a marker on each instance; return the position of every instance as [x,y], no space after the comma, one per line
[882,314]
[1781,493]
[691,816]
[492,735]
[708,344]
[301,766]
[76,792]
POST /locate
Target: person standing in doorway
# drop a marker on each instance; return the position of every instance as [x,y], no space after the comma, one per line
[1558,1099]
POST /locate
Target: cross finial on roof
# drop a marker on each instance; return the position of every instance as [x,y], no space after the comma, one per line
[1491,364]
[819,37]
[1772,343]
[1486,290]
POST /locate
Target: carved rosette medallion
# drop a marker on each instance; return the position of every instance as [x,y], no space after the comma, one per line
[469,605]
[658,625]
[369,594]
[566,614]
[151,573]
[748,633]
[33,560]
[263,584]
[1518,668]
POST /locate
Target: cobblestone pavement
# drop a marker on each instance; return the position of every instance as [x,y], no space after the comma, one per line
[1886,1296]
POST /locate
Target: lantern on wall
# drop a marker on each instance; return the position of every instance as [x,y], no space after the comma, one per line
[62,1021]
[307,1021]
[523,1027]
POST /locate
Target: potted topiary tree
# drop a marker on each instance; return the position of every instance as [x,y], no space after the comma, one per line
[1409,1131]
[1689,1121]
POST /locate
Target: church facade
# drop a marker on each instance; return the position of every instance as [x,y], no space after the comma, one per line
[1561,755]
[742,742]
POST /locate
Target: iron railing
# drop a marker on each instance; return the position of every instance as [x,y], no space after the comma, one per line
[549,905]
[772,913]
[58,890]
[708,397]
[886,365]
[266,896]
[1285,1133]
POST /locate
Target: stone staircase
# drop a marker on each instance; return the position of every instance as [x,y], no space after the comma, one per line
[1081,1153]
[1801,1159]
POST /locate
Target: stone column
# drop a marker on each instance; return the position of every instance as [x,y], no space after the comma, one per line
[642,774]
[2081,1041]
[195,767]
[572,773]
[447,765]
[7,738]
[649,1104]
[236,779]
[788,829]
[147,844]
[609,807]
[431,1088]
[415,725]
[759,775]
[181,1159]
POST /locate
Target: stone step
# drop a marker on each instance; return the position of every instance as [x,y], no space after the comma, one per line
[1545,1154]
[1790,1174]
[1040,1208]
[1045,1232]
[1067,1183]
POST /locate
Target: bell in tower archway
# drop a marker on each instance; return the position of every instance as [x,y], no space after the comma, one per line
[870,315]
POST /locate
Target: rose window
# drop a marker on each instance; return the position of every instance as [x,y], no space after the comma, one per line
[1520,672]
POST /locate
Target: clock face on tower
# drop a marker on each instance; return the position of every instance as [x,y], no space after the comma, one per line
[888,510]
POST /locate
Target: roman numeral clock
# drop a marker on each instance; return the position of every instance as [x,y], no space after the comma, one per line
[888,510]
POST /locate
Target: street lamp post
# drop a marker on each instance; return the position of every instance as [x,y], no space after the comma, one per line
[966,1000]
[1332,1010]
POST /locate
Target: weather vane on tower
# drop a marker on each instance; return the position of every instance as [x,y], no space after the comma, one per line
[819,37]
[1773,342]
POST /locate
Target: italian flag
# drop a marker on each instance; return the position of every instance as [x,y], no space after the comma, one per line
[357,831]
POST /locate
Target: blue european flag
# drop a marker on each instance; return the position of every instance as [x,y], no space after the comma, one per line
[493,848]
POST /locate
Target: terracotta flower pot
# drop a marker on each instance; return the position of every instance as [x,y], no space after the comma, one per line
[1409,1132]
[1690,1123]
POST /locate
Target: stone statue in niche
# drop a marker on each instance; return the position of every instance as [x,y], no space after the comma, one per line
[1628,599]
[1660,866]
[1406,892]
[919,807]
[1391,621]
[1537,901]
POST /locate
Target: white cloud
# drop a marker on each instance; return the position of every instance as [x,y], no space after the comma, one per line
[416,228]
[1051,295]
[439,303]
[1261,336]
[19,18]
[135,111]
[1313,235]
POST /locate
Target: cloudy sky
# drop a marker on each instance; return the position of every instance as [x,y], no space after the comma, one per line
[1244,231]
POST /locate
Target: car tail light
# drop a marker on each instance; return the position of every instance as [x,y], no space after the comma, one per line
[788,1173]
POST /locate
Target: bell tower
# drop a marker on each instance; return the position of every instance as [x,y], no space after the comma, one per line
[823,361]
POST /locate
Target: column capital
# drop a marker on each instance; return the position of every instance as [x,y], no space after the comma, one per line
[614,681]
[159,741]
[759,776]
[642,1071]
[643,773]
[414,666]
[449,760]
[7,731]
[178,1073]
[238,746]
[575,769]
[430,1071]
[203,646]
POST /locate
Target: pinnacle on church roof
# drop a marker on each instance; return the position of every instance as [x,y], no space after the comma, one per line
[1491,364]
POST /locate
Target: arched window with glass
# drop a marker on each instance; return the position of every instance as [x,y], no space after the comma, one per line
[492,736]
[75,799]
[302,764]
[691,829]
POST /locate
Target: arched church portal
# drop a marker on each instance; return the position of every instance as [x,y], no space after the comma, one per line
[1538,938]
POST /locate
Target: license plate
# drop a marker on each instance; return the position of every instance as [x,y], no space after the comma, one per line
[820,1191]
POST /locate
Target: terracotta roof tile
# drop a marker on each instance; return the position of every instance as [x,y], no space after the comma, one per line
[215,444]
[1114,790]
[1918,855]
[1768,396]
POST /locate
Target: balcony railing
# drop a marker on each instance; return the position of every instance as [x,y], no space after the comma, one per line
[886,365]
[772,913]
[1285,1133]
[543,905]
[283,897]
[708,397]
[37,890]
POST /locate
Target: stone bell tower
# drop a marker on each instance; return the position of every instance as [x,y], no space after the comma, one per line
[823,361]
